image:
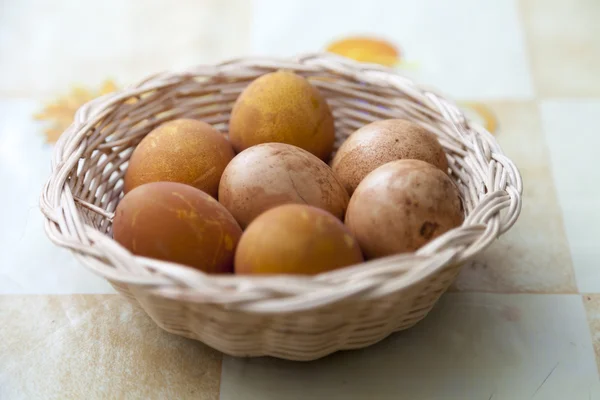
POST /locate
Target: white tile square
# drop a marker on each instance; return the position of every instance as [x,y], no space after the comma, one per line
[46,47]
[29,262]
[573,139]
[465,48]
[472,346]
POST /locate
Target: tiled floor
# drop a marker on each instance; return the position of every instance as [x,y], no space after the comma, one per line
[68,43]
[29,262]
[471,346]
[537,242]
[521,322]
[97,346]
[564,49]
[458,46]
[571,133]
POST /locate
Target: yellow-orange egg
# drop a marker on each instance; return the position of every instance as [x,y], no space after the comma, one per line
[282,107]
[381,142]
[176,222]
[401,206]
[295,239]
[185,151]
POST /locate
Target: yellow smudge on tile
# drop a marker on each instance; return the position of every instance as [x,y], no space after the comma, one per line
[367,49]
[97,346]
[481,114]
[61,111]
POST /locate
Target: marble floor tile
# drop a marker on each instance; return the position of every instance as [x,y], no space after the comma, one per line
[571,132]
[534,255]
[29,262]
[97,347]
[472,346]
[563,38]
[465,48]
[46,47]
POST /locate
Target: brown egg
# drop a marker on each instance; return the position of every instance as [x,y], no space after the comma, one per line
[176,222]
[282,107]
[381,142]
[272,174]
[401,206]
[295,239]
[184,150]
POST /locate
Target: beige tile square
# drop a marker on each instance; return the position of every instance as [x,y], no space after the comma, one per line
[471,346]
[534,255]
[97,347]
[592,307]
[564,46]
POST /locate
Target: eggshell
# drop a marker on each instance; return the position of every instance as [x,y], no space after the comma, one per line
[184,150]
[272,174]
[296,239]
[401,206]
[282,107]
[381,142]
[176,222]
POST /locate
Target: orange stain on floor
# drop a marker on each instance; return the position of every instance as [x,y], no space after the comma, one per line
[483,115]
[379,51]
[61,112]
[367,49]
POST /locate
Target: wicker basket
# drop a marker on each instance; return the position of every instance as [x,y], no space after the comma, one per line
[297,318]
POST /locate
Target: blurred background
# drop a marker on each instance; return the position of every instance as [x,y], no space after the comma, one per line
[526,69]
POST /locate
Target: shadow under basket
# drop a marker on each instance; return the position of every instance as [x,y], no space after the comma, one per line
[290,317]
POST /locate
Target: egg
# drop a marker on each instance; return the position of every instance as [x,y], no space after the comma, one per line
[272,174]
[282,107]
[296,239]
[184,150]
[381,142]
[401,206]
[176,222]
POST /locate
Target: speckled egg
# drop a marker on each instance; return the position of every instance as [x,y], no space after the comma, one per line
[381,142]
[273,174]
[401,206]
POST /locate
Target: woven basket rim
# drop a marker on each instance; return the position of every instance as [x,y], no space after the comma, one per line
[499,190]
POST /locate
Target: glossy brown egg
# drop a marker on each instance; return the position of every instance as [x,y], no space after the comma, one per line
[381,142]
[273,174]
[296,239]
[401,206]
[185,151]
[176,222]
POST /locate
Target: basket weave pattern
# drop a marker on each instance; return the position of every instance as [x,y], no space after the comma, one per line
[299,318]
